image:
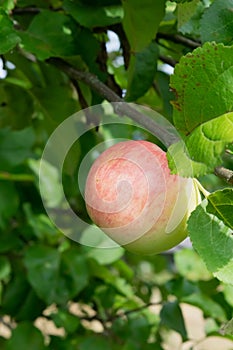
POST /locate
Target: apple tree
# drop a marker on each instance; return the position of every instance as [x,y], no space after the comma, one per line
[76,77]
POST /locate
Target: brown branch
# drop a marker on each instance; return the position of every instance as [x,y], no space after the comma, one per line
[168,60]
[25,10]
[179,39]
[166,136]
[225,174]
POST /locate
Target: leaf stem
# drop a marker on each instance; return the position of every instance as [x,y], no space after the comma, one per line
[201,188]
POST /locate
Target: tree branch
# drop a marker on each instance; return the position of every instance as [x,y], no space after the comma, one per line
[224,174]
[179,39]
[123,108]
[166,136]
[168,60]
[25,10]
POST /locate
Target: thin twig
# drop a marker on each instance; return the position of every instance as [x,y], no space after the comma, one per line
[6,324]
[137,309]
[120,314]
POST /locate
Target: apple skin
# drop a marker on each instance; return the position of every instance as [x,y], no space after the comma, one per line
[132,196]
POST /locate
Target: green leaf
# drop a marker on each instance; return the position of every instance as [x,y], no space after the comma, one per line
[228,293]
[8,36]
[26,336]
[49,179]
[181,287]
[55,34]
[93,16]
[99,343]
[185,16]
[220,203]
[43,265]
[100,2]
[59,343]
[14,292]
[56,277]
[131,345]
[19,299]
[16,105]
[141,22]
[7,4]
[190,265]
[30,308]
[9,202]
[141,72]
[201,151]
[8,241]
[61,102]
[106,256]
[25,92]
[139,327]
[15,147]
[50,34]
[42,227]
[213,241]
[165,93]
[217,22]
[207,74]
[3,343]
[5,267]
[101,272]
[67,320]
[230,149]
[75,270]
[171,317]
[181,1]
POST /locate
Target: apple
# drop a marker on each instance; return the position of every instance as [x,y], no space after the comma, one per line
[131,195]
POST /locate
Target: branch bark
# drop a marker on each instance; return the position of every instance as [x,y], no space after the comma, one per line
[225,174]
[168,60]
[179,39]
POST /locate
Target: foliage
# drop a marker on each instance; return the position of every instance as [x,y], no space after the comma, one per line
[55,59]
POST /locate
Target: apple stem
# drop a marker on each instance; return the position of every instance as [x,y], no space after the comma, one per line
[201,188]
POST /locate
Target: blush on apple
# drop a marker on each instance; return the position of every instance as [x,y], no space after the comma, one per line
[131,195]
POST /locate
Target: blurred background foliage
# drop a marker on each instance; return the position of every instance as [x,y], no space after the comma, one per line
[55,293]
